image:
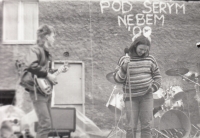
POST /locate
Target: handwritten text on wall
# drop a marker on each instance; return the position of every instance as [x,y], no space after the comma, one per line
[152,14]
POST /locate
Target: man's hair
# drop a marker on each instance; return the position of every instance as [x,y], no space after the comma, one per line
[42,32]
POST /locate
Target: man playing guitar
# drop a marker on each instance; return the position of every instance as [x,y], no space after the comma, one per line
[37,64]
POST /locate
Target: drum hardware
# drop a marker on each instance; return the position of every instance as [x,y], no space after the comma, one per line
[196,83]
[110,78]
[174,133]
[177,93]
[158,98]
[174,100]
[177,104]
[173,123]
[170,133]
[170,104]
[154,129]
[115,102]
[160,112]
[197,134]
[117,132]
[190,76]
[116,105]
[180,72]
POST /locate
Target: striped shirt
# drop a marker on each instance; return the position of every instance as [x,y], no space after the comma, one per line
[144,74]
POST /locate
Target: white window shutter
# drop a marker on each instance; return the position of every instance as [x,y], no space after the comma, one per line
[10,21]
[30,21]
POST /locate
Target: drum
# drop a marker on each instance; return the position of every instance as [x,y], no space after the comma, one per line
[116,103]
[177,93]
[168,104]
[173,123]
[177,104]
[158,98]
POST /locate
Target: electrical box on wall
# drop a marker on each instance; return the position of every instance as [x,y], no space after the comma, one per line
[70,90]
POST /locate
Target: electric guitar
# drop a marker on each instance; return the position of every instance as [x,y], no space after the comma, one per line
[44,86]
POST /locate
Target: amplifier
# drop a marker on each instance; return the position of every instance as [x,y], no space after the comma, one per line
[64,119]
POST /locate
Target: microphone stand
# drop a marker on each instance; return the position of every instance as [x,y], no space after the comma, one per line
[197,132]
[130,98]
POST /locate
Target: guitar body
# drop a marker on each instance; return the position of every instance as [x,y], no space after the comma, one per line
[44,86]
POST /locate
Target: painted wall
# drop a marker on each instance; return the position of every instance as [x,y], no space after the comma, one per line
[92,32]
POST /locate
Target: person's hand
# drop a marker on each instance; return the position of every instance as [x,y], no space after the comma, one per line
[65,70]
[151,89]
[125,62]
[53,70]
[66,67]
[52,78]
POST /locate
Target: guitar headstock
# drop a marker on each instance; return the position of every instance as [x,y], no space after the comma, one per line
[65,66]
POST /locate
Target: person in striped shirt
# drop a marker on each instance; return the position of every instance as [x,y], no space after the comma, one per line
[140,75]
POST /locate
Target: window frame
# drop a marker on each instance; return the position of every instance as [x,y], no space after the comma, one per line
[20,27]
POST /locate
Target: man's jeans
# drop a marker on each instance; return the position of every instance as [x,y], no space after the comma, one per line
[42,108]
[142,110]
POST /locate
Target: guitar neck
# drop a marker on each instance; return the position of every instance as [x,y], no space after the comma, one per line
[58,71]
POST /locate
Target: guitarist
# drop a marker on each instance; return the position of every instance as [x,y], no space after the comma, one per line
[37,64]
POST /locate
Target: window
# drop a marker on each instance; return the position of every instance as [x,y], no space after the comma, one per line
[7,97]
[20,21]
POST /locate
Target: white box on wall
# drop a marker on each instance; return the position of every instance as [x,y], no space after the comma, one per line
[70,90]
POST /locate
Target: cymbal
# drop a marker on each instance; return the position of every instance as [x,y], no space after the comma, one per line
[110,77]
[177,72]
